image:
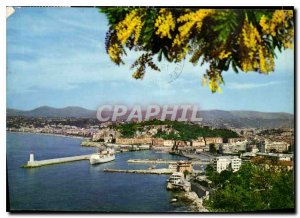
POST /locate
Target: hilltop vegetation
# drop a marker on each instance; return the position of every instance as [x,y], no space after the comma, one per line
[252,188]
[178,130]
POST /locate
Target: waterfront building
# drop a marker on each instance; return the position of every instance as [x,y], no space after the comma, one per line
[213,140]
[181,143]
[184,166]
[202,149]
[158,141]
[227,162]
[200,142]
[134,141]
[168,143]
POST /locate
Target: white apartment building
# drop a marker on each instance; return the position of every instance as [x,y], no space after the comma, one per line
[227,162]
[236,163]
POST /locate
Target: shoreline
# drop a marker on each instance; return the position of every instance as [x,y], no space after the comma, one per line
[50,134]
[196,202]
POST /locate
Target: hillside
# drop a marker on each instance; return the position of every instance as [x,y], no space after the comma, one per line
[45,111]
[214,118]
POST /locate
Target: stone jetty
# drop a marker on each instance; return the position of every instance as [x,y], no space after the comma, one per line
[150,171]
[39,163]
[161,161]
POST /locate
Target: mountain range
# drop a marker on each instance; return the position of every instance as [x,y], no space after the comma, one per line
[214,118]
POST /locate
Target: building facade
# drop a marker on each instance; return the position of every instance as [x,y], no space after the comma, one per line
[227,163]
[184,166]
[276,146]
[213,140]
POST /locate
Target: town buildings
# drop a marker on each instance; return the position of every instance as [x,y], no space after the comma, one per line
[233,146]
[227,163]
[183,166]
[276,146]
[134,141]
[213,140]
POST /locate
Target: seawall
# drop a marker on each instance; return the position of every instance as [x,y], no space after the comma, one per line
[39,163]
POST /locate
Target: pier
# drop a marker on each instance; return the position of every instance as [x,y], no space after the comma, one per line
[160,161]
[152,171]
[39,163]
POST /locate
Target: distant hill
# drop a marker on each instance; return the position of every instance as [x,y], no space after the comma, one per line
[214,118]
[45,111]
[246,119]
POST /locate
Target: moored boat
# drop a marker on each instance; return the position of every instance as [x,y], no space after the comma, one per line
[103,156]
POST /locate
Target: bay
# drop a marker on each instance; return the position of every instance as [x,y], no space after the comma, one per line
[79,186]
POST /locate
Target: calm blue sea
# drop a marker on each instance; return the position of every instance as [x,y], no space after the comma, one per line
[78,186]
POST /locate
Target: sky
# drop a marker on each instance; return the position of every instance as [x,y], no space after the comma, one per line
[56,57]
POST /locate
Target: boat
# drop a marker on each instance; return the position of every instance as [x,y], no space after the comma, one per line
[173,200]
[103,156]
[152,167]
[177,181]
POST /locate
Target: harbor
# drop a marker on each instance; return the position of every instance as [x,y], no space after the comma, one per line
[178,170]
[32,163]
[76,183]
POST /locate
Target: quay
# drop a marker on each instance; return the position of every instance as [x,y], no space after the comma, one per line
[152,171]
[205,157]
[39,163]
[160,161]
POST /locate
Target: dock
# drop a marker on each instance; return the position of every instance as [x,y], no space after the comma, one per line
[161,161]
[152,171]
[39,163]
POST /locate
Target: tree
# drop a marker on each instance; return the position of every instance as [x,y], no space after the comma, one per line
[209,170]
[186,173]
[251,188]
[212,148]
[243,39]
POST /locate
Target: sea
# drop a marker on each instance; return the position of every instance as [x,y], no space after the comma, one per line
[79,186]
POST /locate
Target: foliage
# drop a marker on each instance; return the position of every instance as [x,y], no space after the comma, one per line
[180,130]
[186,173]
[212,148]
[244,39]
[128,130]
[252,188]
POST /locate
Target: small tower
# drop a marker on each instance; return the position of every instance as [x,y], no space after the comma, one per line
[31,159]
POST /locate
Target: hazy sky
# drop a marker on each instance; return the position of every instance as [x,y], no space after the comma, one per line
[56,57]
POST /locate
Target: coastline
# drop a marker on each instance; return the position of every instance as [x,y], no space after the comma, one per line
[50,134]
[197,203]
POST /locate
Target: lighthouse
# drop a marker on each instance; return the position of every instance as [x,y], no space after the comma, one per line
[31,159]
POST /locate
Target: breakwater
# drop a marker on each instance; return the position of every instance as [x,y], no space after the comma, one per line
[39,163]
[160,161]
[151,171]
